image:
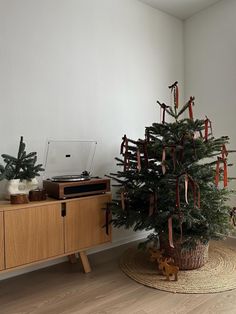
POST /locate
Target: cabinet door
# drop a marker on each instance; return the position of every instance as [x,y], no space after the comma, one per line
[2,263]
[84,223]
[33,234]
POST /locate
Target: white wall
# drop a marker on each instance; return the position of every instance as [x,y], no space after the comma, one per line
[84,69]
[210,68]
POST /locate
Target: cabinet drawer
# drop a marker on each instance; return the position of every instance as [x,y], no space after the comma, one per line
[33,234]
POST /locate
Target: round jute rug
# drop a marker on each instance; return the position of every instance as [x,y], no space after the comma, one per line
[219,273]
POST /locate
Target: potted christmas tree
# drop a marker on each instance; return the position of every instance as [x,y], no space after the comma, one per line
[174,183]
[20,171]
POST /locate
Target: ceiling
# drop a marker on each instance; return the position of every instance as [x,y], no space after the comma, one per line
[182,9]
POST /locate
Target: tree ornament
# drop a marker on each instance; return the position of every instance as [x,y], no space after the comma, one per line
[164,108]
[175,90]
[190,107]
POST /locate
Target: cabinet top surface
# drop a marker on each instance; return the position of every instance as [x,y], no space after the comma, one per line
[6,205]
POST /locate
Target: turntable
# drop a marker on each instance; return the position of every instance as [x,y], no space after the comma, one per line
[72,178]
[72,163]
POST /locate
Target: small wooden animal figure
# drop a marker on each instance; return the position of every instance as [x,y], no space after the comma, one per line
[156,254]
[168,270]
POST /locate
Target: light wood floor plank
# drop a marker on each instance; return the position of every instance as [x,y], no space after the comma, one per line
[65,289]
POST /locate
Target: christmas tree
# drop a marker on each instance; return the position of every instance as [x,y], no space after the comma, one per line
[174,181]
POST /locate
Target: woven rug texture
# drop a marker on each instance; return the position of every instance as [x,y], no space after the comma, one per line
[217,275]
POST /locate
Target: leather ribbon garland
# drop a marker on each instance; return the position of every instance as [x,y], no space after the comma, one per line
[152,203]
[217,176]
[225,174]
[190,107]
[170,232]
[163,166]
[196,192]
[124,139]
[224,154]
[208,125]
[173,154]
[187,179]
[163,107]
[141,149]
[175,89]
[186,188]
[138,160]
[195,188]
[225,171]
[177,198]
[147,135]
[124,152]
[181,225]
[224,151]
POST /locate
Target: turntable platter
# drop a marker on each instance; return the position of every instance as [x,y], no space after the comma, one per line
[70,178]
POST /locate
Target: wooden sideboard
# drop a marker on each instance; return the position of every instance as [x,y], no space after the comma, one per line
[40,231]
[2,260]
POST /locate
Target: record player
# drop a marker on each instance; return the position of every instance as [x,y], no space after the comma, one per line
[68,165]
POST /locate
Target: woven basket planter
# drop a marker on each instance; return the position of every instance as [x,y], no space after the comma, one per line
[186,259]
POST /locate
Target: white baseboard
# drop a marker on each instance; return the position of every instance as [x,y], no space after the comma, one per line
[118,242]
[28,269]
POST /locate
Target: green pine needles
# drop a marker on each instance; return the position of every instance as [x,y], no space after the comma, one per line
[174,182]
[21,167]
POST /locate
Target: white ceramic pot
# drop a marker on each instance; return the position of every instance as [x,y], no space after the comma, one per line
[28,185]
[14,186]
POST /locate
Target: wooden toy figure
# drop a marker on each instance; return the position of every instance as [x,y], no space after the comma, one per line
[168,270]
[156,254]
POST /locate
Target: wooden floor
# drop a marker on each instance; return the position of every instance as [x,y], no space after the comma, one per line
[63,288]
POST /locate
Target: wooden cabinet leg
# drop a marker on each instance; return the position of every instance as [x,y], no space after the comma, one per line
[72,258]
[85,262]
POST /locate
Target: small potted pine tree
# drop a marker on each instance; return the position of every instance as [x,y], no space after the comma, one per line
[174,184]
[20,171]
